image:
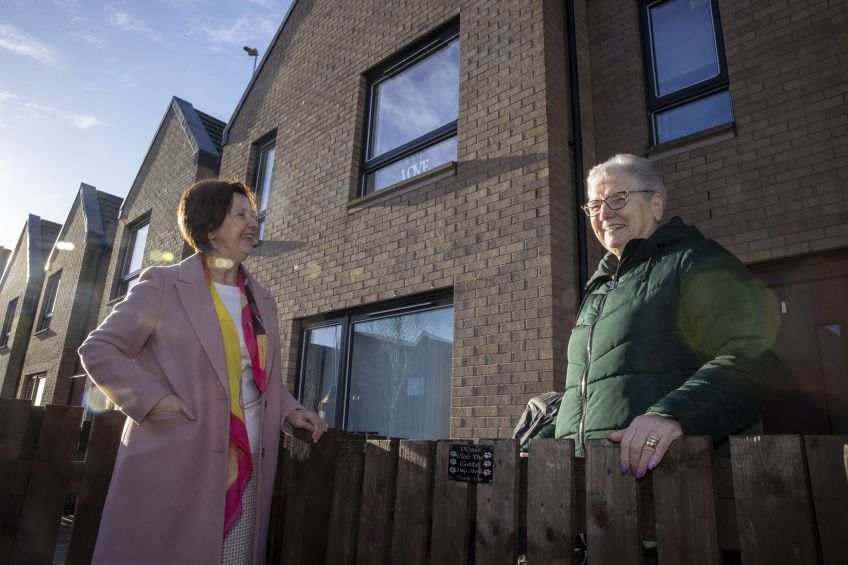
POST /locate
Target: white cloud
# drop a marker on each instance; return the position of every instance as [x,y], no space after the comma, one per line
[16,42]
[8,96]
[93,40]
[37,112]
[128,22]
[244,30]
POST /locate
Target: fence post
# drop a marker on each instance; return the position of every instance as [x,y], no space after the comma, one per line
[827,458]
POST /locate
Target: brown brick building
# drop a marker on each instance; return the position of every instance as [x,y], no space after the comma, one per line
[419,169]
[20,289]
[426,164]
[71,297]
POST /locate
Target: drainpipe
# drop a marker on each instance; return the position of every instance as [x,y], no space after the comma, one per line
[577,136]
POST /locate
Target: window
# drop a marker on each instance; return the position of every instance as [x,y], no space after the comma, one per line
[133,257]
[385,371]
[48,302]
[687,73]
[7,322]
[35,389]
[412,108]
[262,182]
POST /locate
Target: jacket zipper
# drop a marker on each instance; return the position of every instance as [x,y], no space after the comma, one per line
[584,378]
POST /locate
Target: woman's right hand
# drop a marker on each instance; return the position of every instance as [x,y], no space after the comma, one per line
[171,403]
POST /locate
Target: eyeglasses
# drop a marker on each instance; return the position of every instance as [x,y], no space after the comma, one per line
[615,201]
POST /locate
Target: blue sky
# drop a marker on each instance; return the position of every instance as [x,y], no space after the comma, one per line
[84,85]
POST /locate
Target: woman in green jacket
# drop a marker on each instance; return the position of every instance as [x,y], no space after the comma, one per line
[674,335]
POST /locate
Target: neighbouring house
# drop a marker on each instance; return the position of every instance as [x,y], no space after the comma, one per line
[20,290]
[186,148]
[75,274]
[4,257]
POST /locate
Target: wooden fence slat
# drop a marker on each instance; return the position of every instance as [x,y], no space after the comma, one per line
[497,507]
[308,497]
[378,501]
[453,502]
[45,498]
[685,504]
[612,507]
[827,460]
[551,502]
[347,494]
[773,506]
[14,420]
[413,503]
[277,519]
[100,456]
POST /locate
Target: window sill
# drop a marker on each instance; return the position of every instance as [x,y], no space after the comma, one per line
[42,332]
[115,300]
[431,176]
[692,141]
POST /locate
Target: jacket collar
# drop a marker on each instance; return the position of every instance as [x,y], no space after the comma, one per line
[637,250]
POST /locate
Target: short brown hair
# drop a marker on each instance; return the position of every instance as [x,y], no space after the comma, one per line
[204,207]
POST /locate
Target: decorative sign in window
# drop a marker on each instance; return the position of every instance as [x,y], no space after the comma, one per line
[471,463]
[412,166]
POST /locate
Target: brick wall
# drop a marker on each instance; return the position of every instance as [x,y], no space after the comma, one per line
[485,232]
[167,170]
[24,282]
[777,187]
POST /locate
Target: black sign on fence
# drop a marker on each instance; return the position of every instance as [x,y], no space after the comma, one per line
[471,463]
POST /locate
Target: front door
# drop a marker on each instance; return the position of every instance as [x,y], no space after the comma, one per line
[812,298]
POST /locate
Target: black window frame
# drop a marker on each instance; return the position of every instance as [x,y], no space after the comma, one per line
[659,104]
[48,302]
[262,147]
[407,305]
[124,278]
[393,66]
[8,322]
[29,392]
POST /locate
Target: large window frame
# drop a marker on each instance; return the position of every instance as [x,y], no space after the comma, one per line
[347,320]
[8,321]
[48,302]
[389,69]
[127,278]
[263,176]
[677,99]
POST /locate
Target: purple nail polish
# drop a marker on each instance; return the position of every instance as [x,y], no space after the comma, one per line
[624,469]
[651,465]
[638,475]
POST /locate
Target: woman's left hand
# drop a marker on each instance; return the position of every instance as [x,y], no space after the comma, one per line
[307,420]
[644,442]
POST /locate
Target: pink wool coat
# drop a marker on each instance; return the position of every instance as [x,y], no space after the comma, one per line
[166,499]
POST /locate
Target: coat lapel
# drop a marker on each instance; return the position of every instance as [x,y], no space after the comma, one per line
[194,294]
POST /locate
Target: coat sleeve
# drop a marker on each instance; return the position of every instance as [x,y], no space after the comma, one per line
[109,351]
[733,325]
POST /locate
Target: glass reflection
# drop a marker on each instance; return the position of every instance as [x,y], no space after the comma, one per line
[684,44]
[400,375]
[696,116]
[320,368]
[417,101]
[415,164]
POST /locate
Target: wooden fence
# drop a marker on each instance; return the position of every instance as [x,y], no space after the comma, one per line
[348,499]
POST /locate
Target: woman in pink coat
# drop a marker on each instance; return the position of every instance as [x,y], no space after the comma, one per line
[191,356]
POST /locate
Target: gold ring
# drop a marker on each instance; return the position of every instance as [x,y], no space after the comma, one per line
[652,441]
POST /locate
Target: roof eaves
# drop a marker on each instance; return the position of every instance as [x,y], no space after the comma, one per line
[226,134]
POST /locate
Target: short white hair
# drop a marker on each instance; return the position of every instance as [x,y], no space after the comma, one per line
[643,170]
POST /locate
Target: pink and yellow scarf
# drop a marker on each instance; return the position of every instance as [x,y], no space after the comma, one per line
[239,462]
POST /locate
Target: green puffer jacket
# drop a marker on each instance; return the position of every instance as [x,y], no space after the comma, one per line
[679,328]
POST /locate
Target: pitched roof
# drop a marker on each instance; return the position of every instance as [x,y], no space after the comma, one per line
[97,220]
[202,131]
[36,239]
